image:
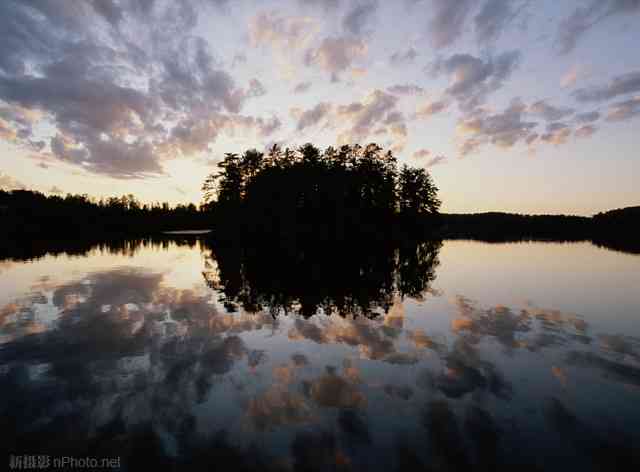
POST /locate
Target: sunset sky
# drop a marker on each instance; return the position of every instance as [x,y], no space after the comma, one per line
[512,105]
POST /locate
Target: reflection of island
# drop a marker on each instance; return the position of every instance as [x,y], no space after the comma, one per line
[352,276]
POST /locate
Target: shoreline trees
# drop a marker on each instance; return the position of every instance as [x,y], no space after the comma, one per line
[33,214]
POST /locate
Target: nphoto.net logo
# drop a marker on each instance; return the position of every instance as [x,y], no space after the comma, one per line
[43,461]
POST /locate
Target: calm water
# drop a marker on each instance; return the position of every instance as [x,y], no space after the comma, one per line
[524,354]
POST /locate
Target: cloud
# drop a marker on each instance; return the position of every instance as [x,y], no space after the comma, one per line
[421,340]
[614,370]
[332,390]
[447,22]
[277,407]
[620,85]
[191,135]
[399,58]
[325,4]
[7,132]
[624,110]
[570,78]
[421,154]
[470,145]
[105,333]
[119,158]
[619,345]
[549,112]
[585,131]
[530,328]
[336,54]
[503,129]
[17,122]
[9,183]
[239,58]
[431,108]
[465,372]
[314,115]
[302,87]
[256,89]
[532,138]
[371,341]
[399,130]
[283,33]
[109,10]
[577,24]
[406,89]
[76,101]
[30,31]
[584,18]
[112,100]
[556,133]
[499,322]
[472,79]
[55,190]
[357,72]
[435,161]
[190,80]
[362,117]
[492,19]
[587,117]
[264,127]
[120,313]
[360,14]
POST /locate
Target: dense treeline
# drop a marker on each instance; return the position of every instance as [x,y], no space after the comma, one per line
[616,229]
[27,213]
[305,190]
[495,226]
[624,220]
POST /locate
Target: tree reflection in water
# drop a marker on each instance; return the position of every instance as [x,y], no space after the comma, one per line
[351,277]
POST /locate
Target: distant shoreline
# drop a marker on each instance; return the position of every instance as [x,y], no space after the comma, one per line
[189,231]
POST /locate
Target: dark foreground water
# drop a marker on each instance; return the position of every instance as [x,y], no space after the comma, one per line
[520,356]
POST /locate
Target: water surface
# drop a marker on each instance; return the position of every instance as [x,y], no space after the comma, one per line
[505,355]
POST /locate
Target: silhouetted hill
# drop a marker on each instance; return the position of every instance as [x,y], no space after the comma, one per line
[628,217]
[618,229]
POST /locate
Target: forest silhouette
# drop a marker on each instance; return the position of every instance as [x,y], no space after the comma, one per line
[32,214]
[332,193]
[301,198]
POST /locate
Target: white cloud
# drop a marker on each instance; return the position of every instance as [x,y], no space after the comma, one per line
[10,183]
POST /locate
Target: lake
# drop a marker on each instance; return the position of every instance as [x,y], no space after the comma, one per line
[178,352]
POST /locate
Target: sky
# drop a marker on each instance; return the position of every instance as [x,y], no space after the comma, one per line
[527,106]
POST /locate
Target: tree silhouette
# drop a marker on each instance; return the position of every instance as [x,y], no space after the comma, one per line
[33,214]
[307,188]
[418,194]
